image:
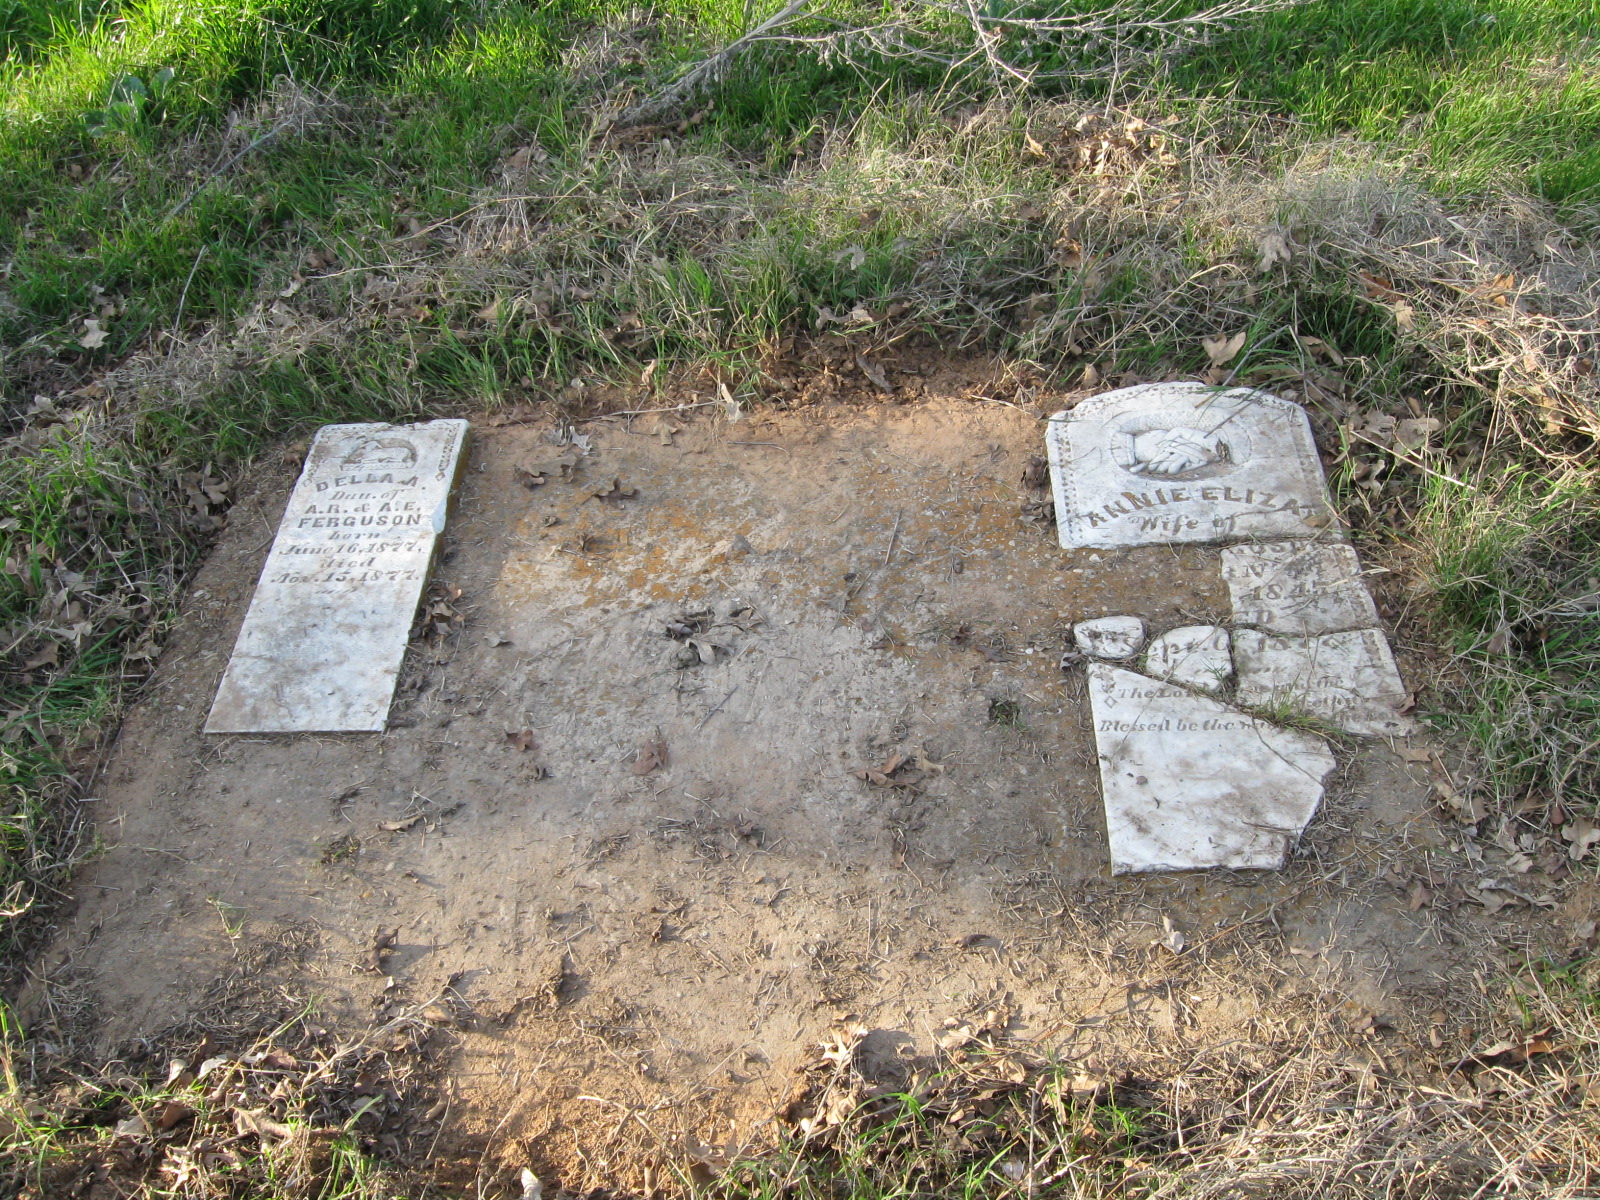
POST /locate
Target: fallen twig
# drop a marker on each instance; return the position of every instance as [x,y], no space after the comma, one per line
[670,100]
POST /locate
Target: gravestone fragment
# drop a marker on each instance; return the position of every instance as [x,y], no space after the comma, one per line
[1183,462]
[1297,587]
[1349,679]
[1190,783]
[1197,656]
[326,631]
[1115,638]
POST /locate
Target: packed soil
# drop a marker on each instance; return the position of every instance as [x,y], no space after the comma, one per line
[637,836]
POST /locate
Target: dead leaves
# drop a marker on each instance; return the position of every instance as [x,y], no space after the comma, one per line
[1468,809]
[973,1071]
[1102,146]
[205,496]
[264,1127]
[50,656]
[536,475]
[93,336]
[439,617]
[616,492]
[1581,833]
[1378,287]
[906,771]
[172,1114]
[1495,894]
[1408,441]
[1389,432]
[1172,938]
[651,756]
[706,631]
[421,811]
[1223,350]
[860,315]
[1383,290]
[1509,1052]
[704,650]
[853,256]
[522,741]
[1274,248]
[382,950]
[1037,510]
[1500,291]
[520,160]
[874,373]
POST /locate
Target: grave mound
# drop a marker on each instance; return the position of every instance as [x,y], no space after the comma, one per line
[708,735]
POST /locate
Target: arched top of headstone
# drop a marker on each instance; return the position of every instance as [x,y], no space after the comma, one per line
[1184,462]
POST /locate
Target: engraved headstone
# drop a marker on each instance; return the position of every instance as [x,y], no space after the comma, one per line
[1190,783]
[1183,462]
[1196,656]
[1297,587]
[1349,679]
[322,643]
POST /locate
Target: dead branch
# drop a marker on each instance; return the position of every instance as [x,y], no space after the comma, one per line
[671,100]
[1121,37]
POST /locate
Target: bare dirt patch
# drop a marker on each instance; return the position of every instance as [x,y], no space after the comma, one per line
[721,735]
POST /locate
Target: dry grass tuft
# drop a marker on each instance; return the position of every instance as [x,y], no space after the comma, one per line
[1303,1109]
[249,1095]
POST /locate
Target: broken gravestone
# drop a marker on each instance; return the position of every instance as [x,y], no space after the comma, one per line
[1197,656]
[1109,637]
[1348,679]
[1297,587]
[1190,783]
[326,631]
[1187,780]
[1183,462]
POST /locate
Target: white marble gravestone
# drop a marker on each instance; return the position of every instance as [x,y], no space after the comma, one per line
[1197,656]
[322,643]
[1190,783]
[1349,679]
[1297,587]
[1109,637]
[1183,462]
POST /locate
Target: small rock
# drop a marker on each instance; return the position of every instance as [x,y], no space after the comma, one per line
[1114,638]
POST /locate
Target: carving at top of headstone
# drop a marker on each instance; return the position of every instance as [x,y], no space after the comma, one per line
[326,632]
[1116,638]
[1183,462]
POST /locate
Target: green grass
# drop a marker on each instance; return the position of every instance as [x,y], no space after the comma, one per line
[441,87]
[1490,93]
[1515,567]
